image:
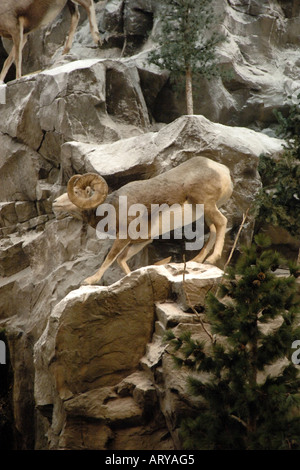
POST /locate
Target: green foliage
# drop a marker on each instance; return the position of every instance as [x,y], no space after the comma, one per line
[188,39]
[278,202]
[290,126]
[254,319]
[185,37]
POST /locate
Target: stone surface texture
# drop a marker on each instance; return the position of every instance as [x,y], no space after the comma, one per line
[87,366]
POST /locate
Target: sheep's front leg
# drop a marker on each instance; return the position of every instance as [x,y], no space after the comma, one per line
[208,245]
[19,41]
[130,251]
[220,223]
[90,9]
[115,251]
[7,64]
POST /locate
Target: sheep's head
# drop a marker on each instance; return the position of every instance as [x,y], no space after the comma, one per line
[87,191]
[84,192]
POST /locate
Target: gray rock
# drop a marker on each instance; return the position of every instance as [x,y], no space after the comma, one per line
[19,167]
[138,17]
[82,100]
[112,16]
[25,210]
[104,382]
[94,110]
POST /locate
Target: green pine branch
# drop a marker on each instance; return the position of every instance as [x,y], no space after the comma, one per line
[278,202]
[242,406]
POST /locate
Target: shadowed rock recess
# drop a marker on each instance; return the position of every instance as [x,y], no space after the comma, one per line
[87,367]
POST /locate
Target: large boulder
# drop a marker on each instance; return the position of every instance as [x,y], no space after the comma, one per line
[77,101]
[95,362]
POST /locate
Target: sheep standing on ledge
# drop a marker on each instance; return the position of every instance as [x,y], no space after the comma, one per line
[19,17]
[196,181]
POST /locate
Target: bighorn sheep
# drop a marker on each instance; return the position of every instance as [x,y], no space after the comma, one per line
[20,17]
[199,180]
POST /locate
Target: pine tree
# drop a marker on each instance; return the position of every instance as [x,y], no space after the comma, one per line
[246,407]
[187,42]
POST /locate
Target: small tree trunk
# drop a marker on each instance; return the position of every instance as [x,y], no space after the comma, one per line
[189,91]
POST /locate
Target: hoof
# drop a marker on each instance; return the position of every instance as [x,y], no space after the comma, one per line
[210,260]
[87,282]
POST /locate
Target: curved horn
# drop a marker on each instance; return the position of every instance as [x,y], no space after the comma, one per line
[81,198]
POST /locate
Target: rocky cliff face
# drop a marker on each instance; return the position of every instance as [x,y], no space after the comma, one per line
[86,366]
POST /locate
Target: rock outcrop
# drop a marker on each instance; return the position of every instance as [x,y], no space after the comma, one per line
[261,52]
[101,364]
[107,110]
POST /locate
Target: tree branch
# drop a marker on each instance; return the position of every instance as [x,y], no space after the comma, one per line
[239,420]
[190,304]
[236,238]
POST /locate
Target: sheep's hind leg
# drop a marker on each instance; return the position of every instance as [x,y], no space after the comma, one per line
[208,245]
[163,261]
[220,223]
